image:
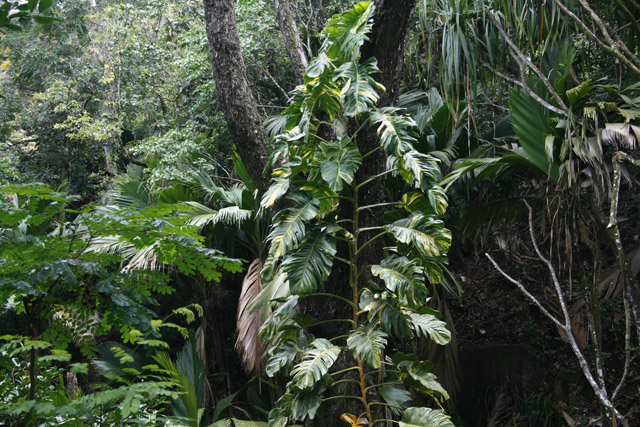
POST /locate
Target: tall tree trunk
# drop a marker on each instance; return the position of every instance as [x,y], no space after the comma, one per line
[233,90]
[291,37]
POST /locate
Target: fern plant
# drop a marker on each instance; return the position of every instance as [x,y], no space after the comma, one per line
[317,182]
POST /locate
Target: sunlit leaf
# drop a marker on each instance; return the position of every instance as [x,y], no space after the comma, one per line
[367,342]
[315,363]
[421,417]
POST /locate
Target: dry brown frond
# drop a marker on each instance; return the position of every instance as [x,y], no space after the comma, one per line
[248,344]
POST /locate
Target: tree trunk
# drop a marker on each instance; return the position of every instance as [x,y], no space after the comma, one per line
[233,90]
[291,37]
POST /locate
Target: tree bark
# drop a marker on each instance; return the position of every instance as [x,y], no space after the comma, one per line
[291,37]
[387,44]
[233,90]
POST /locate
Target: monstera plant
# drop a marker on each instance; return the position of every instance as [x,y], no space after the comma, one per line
[319,235]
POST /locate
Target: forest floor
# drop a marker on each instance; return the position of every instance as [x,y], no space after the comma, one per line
[515,368]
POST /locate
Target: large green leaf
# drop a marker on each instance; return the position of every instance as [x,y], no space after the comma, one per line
[343,159]
[425,417]
[290,228]
[273,322]
[420,169]
[283,357]
[367,342]
[394,396]
[383,306]
[318,65]
[348,31]
[530,123]
[416,374]
[396,131]
[278,188]
[401,275]
[308,267]
[315,364]
[429,325]
[359,91]
[425,234]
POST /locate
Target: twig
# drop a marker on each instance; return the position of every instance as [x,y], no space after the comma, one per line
[527,293]
[604,28]
[608,48]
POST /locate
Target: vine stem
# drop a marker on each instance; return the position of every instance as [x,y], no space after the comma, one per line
[352,368]
[363,390]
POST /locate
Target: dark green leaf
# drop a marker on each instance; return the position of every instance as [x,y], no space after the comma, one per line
[308,267]
[394,396]
[44,5]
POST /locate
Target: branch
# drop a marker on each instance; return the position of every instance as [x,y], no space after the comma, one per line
[526,90]
[626,279]
[633,20]
[528,294]
[522,58]
[604,27]
[608,48]
[600,392]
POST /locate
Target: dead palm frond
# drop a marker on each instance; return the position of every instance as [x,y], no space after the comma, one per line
[248,343]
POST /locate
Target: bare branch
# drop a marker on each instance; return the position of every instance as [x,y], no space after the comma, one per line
[625,277]
[522,58]
[608,48]
[600,392]
[604,28]
[526,90]
[532,298]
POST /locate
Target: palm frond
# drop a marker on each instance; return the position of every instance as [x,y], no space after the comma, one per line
[248,323]
[201,215]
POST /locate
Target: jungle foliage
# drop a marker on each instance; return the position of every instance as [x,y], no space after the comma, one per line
[136,246]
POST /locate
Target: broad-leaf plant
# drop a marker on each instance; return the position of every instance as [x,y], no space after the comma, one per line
[315,187]
[69,295]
